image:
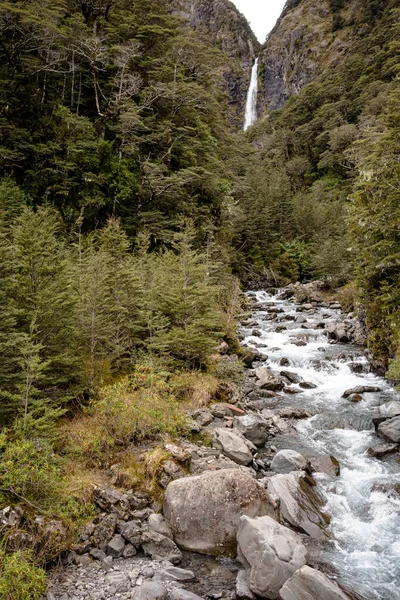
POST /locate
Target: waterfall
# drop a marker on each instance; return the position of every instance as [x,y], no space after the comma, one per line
[251,102]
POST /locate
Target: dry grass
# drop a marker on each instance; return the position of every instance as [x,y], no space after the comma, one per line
[84,437]
[195,388]
[80,481]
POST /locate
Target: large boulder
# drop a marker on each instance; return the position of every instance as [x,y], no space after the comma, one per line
[267,380]
[386,411]
[391,429]
[326,464]
[299,504]
[254,428]
[232,445]
[286,461]
[203,511]
[273,552]
[310,584]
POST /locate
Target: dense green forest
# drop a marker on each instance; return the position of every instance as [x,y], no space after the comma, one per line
[131,210]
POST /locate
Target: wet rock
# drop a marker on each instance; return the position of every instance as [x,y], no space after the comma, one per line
[151,590]
[104,531]
[358,367]
[254,428]
[391,429]
[115,546]
[249,356]
[355,398]
[386,411]
[310,584]
[10,516]
[338,332]
[292,391]
[157,524]
[299,343]
[307,385]
[382,450]
[292,377]
[292,412]
[267,380]
[256,333]
[299,504]
[212,504]
[287,461]
[280,328]
[325,464]
[273,552]
[284,362]
[243,591]
[391,489]
[160,547]
[361,389]
[233,446]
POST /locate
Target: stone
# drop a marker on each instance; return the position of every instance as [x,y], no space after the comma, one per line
[104,531]
[382,450]
[243,591]
[273,552]
[138,500]
[157,523]
[180,594]
[286,461]
[254,428]
[129,551]
[203,511]
[233,446]
[391,429]
[266,380]
[131,531]
[310,584]
[299,504]
[21,540]
[299,343]
[176,574]
[111,501]
[204,417]
[293,412]
[151,590]
[173,470]
[160,547]
[358,367]
[115,546]
[119,581]
[284,362]
[178,453]
[355,398]
[10,516]
[97,554]
[325,464]
[307,385]
[361,389]
[292,377]
[386,411]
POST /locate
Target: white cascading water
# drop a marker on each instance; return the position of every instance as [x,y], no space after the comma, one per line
[251,102]
[365,520]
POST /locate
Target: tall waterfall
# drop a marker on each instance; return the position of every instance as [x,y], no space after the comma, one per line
[251,102]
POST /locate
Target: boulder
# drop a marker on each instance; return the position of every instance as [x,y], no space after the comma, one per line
[391,429]
[267,380]
[292,412]
[111,501]
[273,552]
[307,385]
[131,531]
[382,450]
[299,504]
[150,590]
[178,453]
[157,523]
[361,389]
[160,547]
[325,464]
[104,531]
[286,461]
[175,574]
[233,446]
[386,411]
[179,594]
[203,511]
[310,584]
[292,377]
[254,428]
[115,546]
[243,591]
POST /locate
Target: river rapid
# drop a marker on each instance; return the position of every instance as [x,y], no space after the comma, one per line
[365,518]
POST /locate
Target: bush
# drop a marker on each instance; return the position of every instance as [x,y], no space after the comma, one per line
[20,578]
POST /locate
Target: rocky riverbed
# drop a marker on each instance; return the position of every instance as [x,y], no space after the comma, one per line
[298,493]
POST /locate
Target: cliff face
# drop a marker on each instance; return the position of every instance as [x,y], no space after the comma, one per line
[309,38]
[228,30]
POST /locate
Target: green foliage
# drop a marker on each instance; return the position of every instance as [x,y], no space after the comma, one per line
[20,578]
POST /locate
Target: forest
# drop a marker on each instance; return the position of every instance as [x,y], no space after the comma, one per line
[133,214]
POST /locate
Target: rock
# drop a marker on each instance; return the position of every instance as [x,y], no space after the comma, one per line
[203,511]
[361,389]
[310,584]
[120,582]
[151,590]
[249,356]
[243,591]
[111,500]
[325,464]
[233,446]
[179,594]
[292,377]
[97,554]
[204,417]
[173,470]
[129,551]
[358,367]
[391,489]
[254,428]
[300,343]
[273,552]
[21,540]
[160,547]
[284,362]
[138,500]
[307,385]
[157,523]
[10,516]
[299,504]
[280,328]
[266,380]
[131,531]
[290,390]
[104,531]
[386,411]
[391,429]
[178,453]
[382,450]
[355,398]
[293,412]
[115,546]
[175,574]
[287,461]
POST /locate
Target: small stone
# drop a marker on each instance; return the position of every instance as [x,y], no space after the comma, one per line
[151,590]
[129,551]
[115,547]
[382,450]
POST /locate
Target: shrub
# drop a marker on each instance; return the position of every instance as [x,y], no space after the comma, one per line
[20,578]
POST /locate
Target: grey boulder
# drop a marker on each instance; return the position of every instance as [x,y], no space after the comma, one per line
[286,461]
[160,547]
[203,511]
[309,584]
[386,411]
[267,380]
[254,428]
[326,464]
[151,590]
[391,429]
[273,552]
[232,445]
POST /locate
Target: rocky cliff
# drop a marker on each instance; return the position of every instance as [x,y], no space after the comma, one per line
[229,31]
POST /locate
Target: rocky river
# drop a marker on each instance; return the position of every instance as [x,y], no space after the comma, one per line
[297,498]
